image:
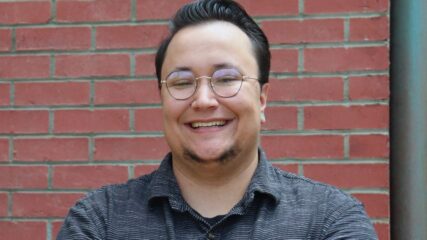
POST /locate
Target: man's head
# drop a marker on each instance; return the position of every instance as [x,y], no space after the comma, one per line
[211,94]
[221,10]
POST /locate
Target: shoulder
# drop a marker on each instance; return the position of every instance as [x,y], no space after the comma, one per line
[113,194]
[299,189]
[339,213]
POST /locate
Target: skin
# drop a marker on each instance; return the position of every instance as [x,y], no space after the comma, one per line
[213,165]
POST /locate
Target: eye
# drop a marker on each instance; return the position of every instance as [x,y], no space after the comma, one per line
[226,80]
[180,83]
[225,77]
[180,80]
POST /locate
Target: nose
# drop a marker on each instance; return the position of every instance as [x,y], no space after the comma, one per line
[204,97]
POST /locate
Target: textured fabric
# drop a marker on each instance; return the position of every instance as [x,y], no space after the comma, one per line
[276,205]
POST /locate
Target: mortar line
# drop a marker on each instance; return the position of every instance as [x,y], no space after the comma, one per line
[52,68]
[346,89]
[49,229]
[300,118]
[346,30]
[133,11]
[132,120]
[11,149]
[49,177]
[9,204]
[13,43]
[93,38]
[53,12]
[91,150]
[346,145]
[12,93]
[51,123]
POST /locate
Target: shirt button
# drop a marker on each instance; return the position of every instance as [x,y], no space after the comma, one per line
[211,236]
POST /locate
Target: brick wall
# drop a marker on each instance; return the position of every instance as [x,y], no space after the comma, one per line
[79,106]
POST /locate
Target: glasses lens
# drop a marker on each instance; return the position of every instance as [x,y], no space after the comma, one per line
[226,82]
[181,84]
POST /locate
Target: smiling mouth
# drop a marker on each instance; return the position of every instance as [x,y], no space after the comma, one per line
[207,124]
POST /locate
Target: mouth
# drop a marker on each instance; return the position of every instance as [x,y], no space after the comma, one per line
[211,124]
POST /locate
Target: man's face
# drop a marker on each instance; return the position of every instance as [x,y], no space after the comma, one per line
[206,127]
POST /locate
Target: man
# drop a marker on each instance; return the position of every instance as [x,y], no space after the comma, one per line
[216,183]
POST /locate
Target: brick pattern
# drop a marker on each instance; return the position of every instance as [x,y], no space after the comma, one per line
[80,108]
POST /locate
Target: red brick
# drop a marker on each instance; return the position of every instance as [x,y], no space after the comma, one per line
[116,149]
[23,230]
[4,94]
[116,37]
[92,65]
[43,204]
[383,231]
[339,6]
[369,146]
[346,59]
[150,119]
[284,60]
[4,150]
[376,205]
[341,117]
[144,169]
[23,66]
[126,92]
[3,204]
[78,121]
[16,12]
[292,168]
[369,29]
[305,147]
[93,10]
[370,88]
[88,177]
[155,9]
[145,64]
[56,227]
[16,177]
[18,121]
[58,93]
[51,149]
[58,38]
[350,175]
[5,39]
[306,89]
[270,7]
[280,118]
[296,31]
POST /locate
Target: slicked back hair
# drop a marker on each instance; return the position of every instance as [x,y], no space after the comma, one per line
[203,11]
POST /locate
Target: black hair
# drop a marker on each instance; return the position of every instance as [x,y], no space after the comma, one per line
[222,10]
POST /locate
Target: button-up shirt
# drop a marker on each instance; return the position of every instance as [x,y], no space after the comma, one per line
[276,205]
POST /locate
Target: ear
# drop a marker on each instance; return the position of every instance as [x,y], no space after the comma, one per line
[263,98]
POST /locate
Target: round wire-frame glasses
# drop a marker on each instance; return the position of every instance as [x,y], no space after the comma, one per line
[225,83]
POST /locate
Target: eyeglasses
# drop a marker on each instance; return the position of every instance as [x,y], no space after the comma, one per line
[225,83]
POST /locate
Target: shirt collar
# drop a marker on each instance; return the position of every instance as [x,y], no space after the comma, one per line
[263,182]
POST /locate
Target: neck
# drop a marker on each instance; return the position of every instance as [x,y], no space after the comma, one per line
[213,188]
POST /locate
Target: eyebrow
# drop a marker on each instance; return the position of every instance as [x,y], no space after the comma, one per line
[215,67]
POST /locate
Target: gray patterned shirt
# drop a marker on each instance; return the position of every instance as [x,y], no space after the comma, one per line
[276,205]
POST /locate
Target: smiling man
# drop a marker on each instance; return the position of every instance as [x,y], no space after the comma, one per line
[216,183]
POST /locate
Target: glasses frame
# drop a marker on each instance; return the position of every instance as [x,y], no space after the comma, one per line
[243,78]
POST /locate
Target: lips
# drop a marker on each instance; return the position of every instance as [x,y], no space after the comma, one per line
[219,123]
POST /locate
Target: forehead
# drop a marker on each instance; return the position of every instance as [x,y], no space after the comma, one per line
[209,44]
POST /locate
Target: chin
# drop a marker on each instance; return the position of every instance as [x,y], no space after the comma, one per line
[221,156]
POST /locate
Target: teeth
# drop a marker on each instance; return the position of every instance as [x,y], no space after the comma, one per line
[207,124]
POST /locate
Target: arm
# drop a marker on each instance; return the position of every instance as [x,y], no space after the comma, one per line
[349,222]
[83,222]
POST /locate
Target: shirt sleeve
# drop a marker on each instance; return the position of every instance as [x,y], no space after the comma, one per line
[349,221]
[84,221]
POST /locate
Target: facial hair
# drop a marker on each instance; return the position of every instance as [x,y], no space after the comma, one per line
[226,156]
